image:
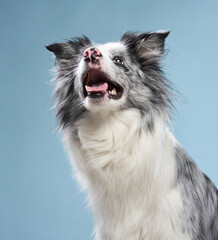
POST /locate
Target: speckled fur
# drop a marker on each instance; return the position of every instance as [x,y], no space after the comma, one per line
[141,184]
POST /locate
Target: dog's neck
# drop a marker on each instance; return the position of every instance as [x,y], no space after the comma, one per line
[117,159]
[119,144]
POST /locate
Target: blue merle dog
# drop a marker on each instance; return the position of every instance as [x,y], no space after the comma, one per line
[113,104]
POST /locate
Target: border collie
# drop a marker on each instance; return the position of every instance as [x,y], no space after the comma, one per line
[113,104]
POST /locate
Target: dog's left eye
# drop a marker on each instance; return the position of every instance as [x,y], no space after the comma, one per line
[118,61]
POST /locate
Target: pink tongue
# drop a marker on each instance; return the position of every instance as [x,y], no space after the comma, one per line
[97,88]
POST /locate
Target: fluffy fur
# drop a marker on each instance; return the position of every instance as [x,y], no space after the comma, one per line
[141,183]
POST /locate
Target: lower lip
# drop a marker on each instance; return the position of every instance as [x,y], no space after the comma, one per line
[97,95]
[104,96]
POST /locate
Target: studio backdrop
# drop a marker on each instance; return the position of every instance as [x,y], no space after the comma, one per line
[39,198]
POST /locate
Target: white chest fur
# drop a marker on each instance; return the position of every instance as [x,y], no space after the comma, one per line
[129,174]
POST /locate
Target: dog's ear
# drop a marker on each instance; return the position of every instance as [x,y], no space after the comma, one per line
[70,48]
[60,50]
[152,44]
[146,44]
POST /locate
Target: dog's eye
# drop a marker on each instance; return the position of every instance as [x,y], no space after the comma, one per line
[118,60]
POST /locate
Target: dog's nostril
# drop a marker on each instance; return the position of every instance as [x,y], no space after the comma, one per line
[91,54]
[86,55]
[96,52]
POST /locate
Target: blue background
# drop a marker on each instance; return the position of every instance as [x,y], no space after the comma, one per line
[38,197]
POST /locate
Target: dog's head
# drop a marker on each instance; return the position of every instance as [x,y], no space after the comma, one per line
[110,77]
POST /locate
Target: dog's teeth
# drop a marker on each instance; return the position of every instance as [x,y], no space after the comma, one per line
[86,87]
[114,91]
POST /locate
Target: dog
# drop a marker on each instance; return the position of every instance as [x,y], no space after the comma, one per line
[113,104]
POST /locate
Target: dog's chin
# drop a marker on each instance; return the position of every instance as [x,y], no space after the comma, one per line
[102,104]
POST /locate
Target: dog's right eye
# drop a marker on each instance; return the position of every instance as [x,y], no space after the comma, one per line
[118,61]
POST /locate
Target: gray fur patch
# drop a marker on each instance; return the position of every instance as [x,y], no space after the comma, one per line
[200,199]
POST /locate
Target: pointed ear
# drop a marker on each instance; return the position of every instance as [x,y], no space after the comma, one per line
[60,50]
[153,44]
[67,50]
[146,44]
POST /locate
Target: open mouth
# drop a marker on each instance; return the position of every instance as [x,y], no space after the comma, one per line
[97,85]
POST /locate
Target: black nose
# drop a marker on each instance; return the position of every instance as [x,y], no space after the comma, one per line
[91,55]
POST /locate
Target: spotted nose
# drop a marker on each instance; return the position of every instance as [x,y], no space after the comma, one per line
[91,55]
